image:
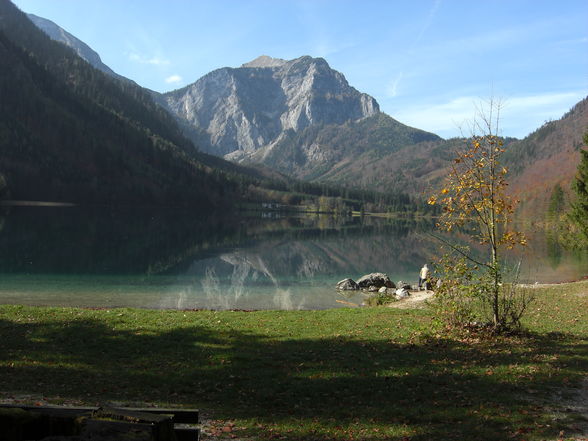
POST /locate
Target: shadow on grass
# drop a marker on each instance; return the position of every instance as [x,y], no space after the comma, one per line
[332,388]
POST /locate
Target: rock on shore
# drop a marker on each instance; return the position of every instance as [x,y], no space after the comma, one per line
[375,279]
[347,285]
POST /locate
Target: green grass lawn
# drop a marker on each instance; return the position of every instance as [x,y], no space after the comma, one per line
[362,374]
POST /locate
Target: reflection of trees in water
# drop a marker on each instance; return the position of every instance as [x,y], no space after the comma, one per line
[108,241]
[236,293]
[269,266]
[4,212]
[240,273]
[554,250]
[150,241]
[235,263]
[211,287]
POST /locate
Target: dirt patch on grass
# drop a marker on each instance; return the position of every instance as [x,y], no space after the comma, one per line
[571,410]
[416,300]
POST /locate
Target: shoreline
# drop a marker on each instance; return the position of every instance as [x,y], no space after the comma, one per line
[547,285]
[415,301]
[10,203]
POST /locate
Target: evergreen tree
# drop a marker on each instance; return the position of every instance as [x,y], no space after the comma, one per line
[579,213]
[556,204]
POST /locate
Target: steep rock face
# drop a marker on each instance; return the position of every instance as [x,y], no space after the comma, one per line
[244,109]
[82,49]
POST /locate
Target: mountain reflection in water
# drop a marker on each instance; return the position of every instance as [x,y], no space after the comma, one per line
[181,259]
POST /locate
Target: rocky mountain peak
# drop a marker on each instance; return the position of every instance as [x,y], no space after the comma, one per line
[265,61]
[245,109]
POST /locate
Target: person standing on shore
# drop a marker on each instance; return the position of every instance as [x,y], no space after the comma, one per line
[423,276]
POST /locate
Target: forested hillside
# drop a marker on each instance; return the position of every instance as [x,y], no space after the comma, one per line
[70,133]
[546,160]
[344,154]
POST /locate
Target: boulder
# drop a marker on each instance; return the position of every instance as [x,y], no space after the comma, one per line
[373,288]
[401,293]
[375,279]
[347,285]
[383,290]
[404,285]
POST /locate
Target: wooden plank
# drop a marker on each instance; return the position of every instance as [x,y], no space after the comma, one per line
[160,422]
[54,410]
[180,416]
[124,414]
[187,434]
[122,430]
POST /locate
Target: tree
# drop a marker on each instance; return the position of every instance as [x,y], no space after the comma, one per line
[474,200]
[579,212]
[4,193]
[556,204]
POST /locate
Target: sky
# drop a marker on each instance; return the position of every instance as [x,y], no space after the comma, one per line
[428,63]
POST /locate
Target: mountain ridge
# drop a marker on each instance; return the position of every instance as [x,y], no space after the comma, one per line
[265,61]
[364,148]
[71,133]
[57,33]
[269,145]
[246,108]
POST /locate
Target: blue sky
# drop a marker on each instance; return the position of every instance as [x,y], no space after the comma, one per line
[427,62]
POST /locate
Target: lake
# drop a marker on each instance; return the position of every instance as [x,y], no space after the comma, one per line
[147,258]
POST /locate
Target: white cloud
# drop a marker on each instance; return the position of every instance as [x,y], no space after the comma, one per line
[537,101]
[392,87]
[574,41]
[156,61]
[174,79]
[439,118]
[428,22]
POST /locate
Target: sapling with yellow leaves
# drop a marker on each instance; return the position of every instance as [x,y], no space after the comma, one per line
[474,199]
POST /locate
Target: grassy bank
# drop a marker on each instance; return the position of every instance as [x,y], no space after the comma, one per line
[368,374]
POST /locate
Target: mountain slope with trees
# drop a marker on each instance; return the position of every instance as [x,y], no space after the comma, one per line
[546,160]
[80,48]
[376,153]
[326,133]
[70,133]
[328,143]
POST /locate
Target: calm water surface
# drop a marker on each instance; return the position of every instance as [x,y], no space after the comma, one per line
[178,259]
